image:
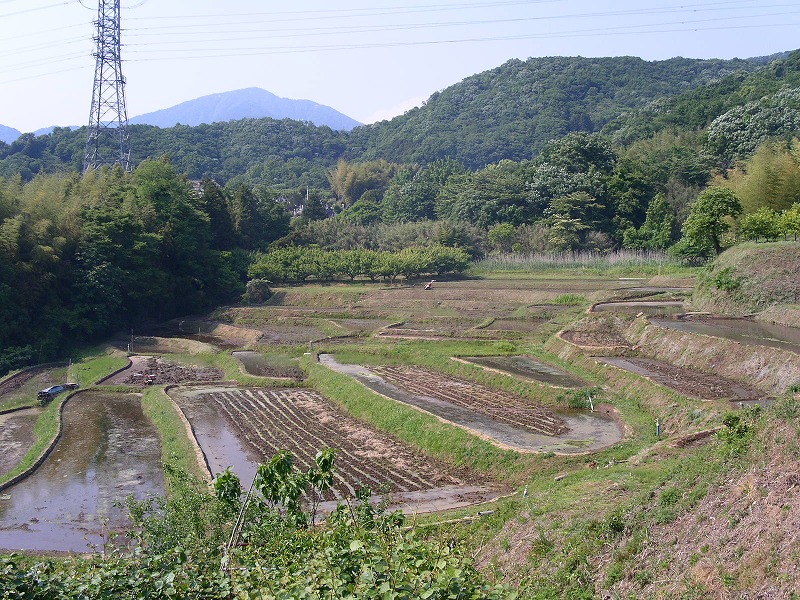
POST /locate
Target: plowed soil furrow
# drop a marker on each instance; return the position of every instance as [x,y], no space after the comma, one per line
[302,421]
[295,421]
[253,424]
[500,406]
[281,407]
[260,439]
[271,423]
[405,482]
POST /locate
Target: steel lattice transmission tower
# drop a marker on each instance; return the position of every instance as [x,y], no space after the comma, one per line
[107,142]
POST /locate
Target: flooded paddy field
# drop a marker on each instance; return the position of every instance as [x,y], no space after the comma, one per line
[506,420]
[528,367]
[16,436]
[744,331]
[244,427]
[108,450]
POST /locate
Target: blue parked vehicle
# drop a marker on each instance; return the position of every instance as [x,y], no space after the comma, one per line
[51,392]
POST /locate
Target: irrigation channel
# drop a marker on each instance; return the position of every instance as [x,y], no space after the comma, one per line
[582,430]
[108,450]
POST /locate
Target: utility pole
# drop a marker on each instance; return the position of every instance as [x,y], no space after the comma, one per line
[107,142]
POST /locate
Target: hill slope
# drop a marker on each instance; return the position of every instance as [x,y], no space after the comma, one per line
[513,110]
[249,103]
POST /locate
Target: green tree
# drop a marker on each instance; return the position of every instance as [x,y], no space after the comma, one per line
[501,237]
[707,223]
[656,231]
[790,221]
[764,223]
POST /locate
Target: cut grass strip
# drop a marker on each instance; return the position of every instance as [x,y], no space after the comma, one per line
[177,448]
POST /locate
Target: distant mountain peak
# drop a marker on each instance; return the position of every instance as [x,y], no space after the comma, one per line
[8,134]
[247,103]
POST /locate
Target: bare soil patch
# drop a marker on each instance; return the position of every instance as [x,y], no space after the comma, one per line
[500,406]
[256,363]
[599,330]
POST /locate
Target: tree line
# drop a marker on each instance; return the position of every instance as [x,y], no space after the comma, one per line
[83,257]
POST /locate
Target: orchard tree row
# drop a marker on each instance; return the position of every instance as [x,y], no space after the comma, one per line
[296,264]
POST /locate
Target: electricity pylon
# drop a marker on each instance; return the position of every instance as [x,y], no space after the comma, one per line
[107,142]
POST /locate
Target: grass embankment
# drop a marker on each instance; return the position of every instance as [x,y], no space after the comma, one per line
[177,448]
[95,363]
[25,395]
[655,524]
[420,430]
[750,278]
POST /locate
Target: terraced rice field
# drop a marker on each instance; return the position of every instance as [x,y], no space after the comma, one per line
[503,407]
[302,421]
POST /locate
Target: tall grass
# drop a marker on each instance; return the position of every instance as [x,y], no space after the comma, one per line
[620,261]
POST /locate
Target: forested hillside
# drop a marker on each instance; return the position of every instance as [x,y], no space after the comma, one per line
[510,112]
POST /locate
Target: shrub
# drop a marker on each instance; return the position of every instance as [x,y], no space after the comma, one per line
[257,292]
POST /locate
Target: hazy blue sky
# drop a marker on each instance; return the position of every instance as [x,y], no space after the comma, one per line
[368,59]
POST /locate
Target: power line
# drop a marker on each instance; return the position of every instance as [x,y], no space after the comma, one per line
[224,34]
[687,25]
[38,8]
[349,30]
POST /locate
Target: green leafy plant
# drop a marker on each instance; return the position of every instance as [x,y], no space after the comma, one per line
[725,280]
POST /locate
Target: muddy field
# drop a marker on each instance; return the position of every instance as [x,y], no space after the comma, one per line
[502,407]
[149,370]
[108,450]
[255,363]
[686,381]
[304,422]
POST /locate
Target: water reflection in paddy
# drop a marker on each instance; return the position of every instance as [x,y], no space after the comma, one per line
[744,331]
[526,366]
[588,431]
[108,450]
[648,307]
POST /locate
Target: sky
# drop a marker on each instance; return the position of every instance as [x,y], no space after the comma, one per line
[371,60]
